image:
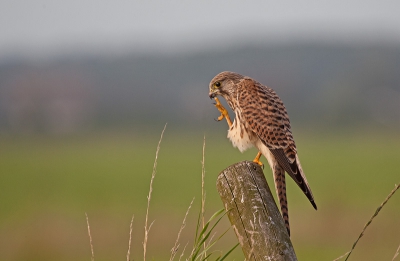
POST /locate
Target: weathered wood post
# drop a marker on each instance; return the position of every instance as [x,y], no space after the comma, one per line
[253,213]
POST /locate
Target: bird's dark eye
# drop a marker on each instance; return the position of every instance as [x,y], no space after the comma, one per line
[218,84]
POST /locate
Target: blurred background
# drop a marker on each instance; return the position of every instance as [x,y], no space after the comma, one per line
[87,86]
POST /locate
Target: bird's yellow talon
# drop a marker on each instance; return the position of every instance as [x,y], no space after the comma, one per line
[223,111]
[257,159]
[259,163]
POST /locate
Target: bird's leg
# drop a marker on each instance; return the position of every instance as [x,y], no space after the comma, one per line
[257,159]
[224,112]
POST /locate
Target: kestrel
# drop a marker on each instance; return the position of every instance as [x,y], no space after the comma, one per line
[261,121]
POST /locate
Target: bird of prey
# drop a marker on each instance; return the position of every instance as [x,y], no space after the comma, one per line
[261,121]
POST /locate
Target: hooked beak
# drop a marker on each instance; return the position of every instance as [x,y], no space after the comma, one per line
[212,95]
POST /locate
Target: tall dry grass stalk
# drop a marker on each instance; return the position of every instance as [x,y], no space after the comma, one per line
[183,251]
[369,222]
[397,253]
[90,237]
[174,250]
[146,227]
[130,240]
[340,257]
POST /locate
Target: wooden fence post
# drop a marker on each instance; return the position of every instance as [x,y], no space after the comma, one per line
[253,213]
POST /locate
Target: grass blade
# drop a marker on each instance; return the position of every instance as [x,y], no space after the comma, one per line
[227,253]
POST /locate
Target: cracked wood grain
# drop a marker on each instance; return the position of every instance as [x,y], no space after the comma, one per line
[253,213]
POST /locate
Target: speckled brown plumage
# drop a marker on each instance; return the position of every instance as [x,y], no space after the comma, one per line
[261,120]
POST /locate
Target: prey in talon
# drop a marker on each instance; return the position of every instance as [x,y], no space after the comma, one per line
[261,121]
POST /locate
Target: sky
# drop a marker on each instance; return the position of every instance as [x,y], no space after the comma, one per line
[50,27]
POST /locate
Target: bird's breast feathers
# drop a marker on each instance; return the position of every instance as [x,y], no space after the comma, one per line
[240,135]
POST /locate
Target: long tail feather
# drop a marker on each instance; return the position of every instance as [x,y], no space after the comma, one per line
[280,187]
[304,184]
[294,170]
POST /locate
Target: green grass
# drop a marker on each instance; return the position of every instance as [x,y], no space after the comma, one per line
[48,183]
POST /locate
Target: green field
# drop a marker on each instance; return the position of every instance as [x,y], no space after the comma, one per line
[48,183]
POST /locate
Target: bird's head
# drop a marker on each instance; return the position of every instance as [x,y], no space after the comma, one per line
[224,84]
